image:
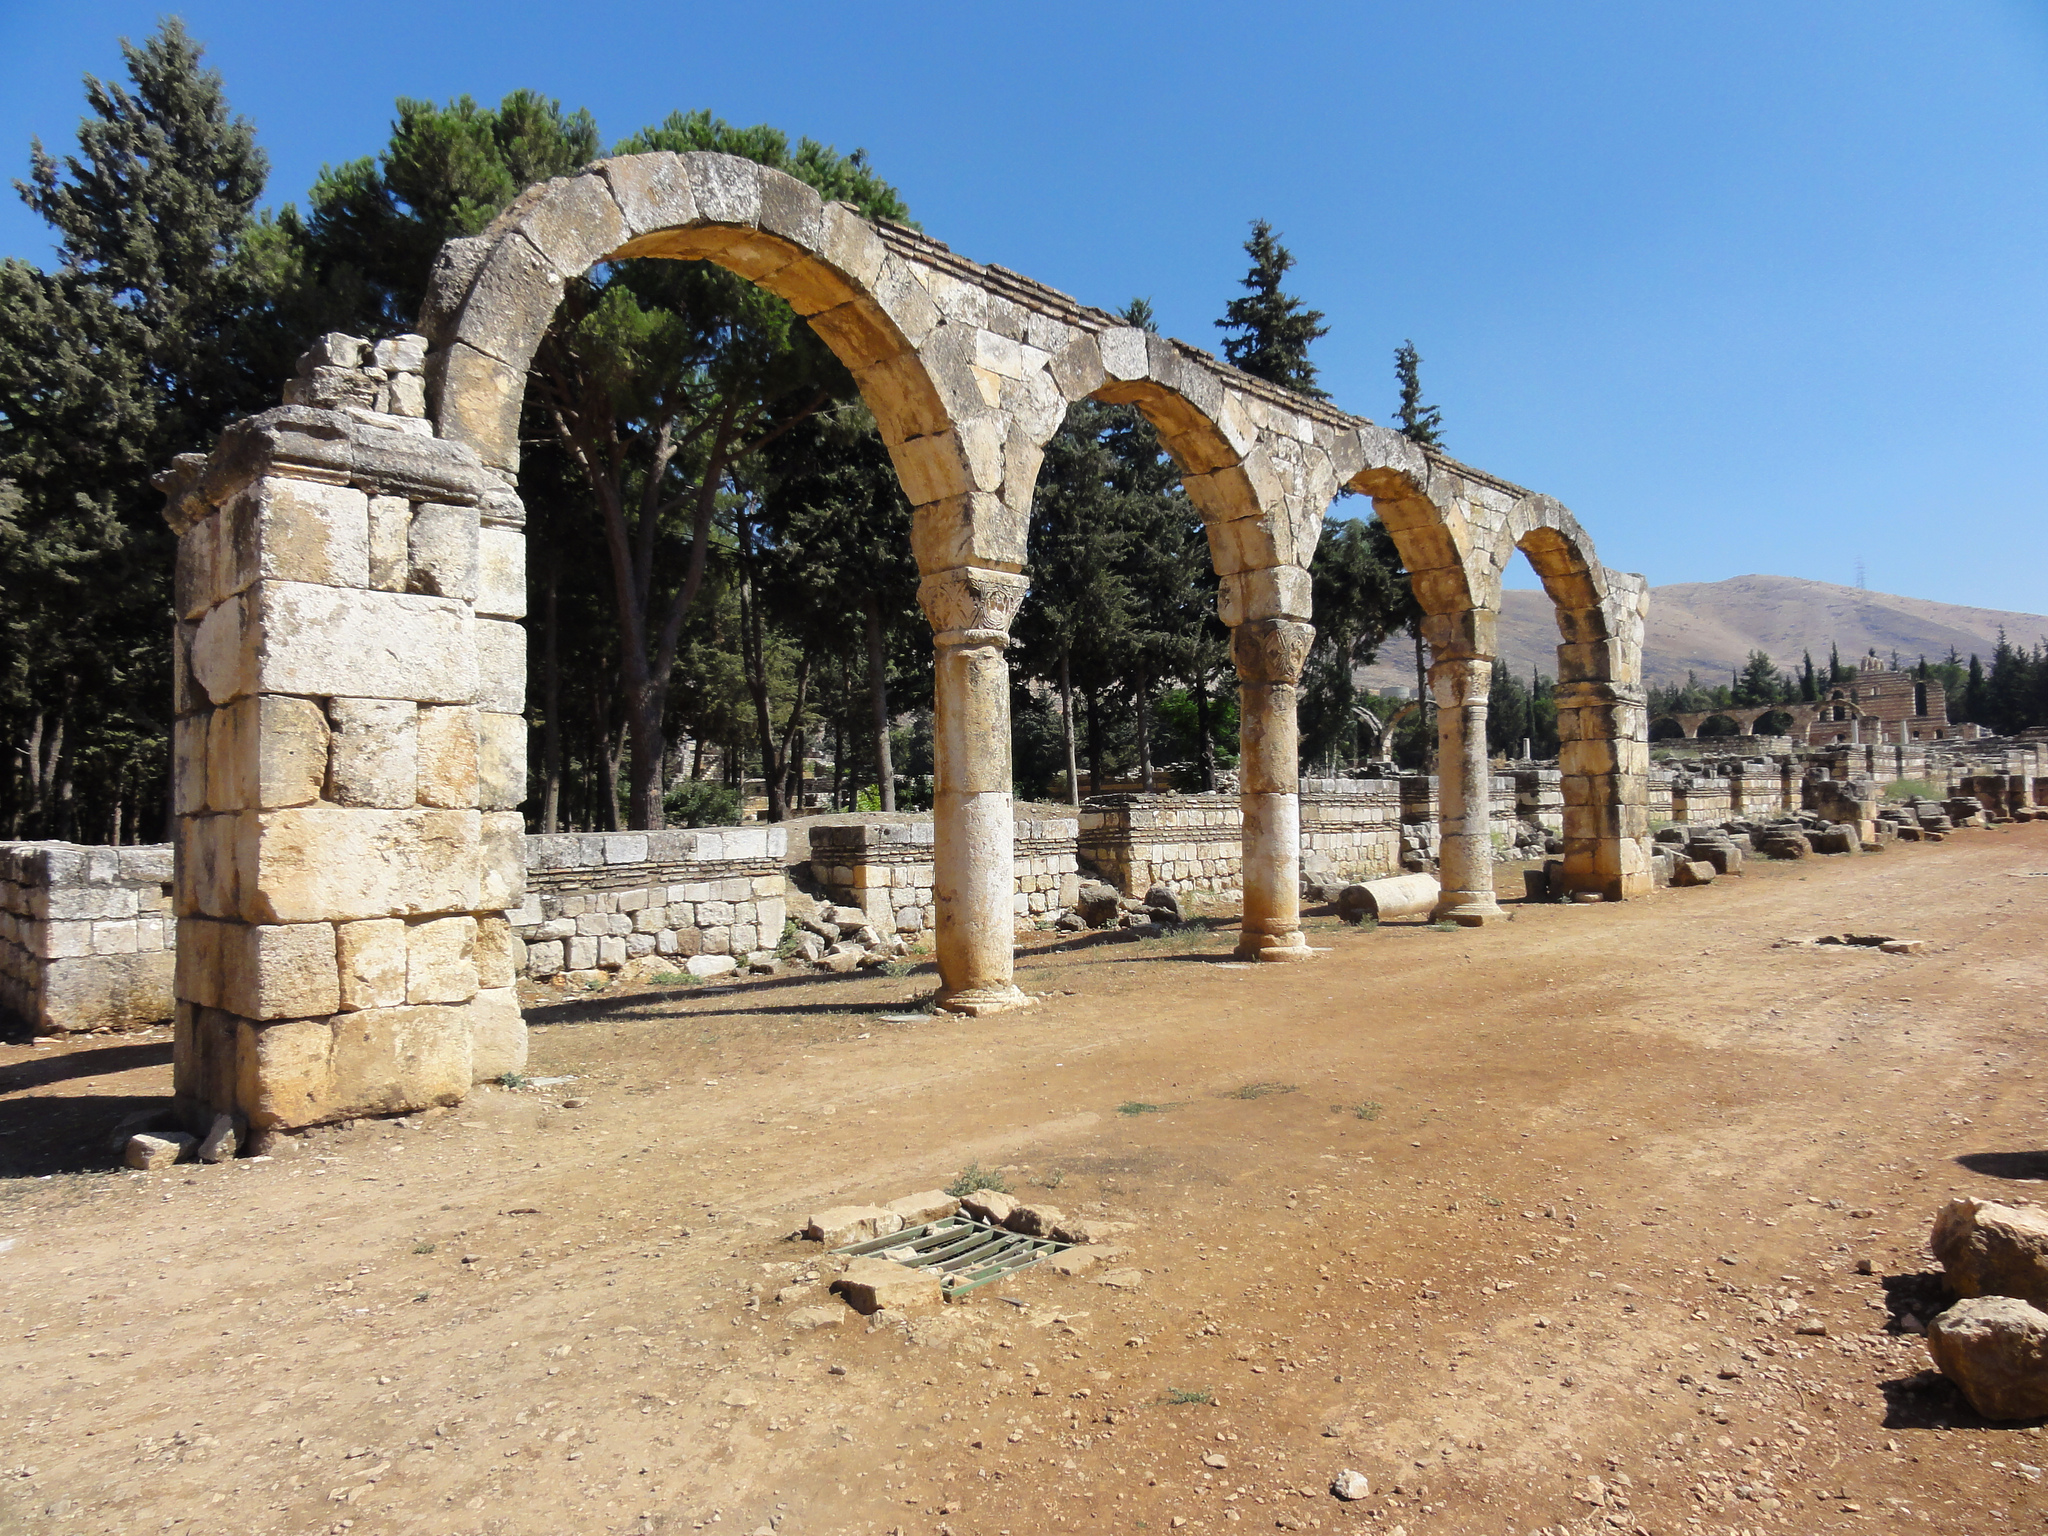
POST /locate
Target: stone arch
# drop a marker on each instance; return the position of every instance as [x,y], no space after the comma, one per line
[958,421]
[1260,473]
[1668,728]
[1721,725]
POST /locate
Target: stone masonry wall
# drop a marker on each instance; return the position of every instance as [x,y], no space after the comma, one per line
[597,900]
[87,939]
[886,869]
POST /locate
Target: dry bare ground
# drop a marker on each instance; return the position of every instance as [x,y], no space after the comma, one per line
[1524,1224]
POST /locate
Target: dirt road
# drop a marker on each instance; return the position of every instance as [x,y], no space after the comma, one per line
[1536,1226]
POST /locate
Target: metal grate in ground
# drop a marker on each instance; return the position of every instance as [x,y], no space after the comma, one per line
[967,1253]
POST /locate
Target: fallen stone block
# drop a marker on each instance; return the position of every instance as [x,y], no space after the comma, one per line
[222,1140]
[805,1319]
[160,1149]
[1035,1220]
[1996,1349]
[1903,946]
[989,1205]
[707,966]
[875,1285]
[1692,872]
[1837,840]
[1073,1262]
[929,1205]
[1992,1249]
[841,958]
[843,1224]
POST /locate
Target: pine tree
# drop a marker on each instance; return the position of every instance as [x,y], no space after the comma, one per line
[1976,707]
[1757,682]
[134,349]
[1418,423]
[1272,332]
[1809,685]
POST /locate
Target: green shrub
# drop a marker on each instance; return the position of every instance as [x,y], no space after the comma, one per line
[701,803]
[974,1178]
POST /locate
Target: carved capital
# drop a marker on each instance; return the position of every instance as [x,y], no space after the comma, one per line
[1271,650]
[1459,681]
[972,606]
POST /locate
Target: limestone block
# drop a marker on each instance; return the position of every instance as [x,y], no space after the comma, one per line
[842,1224]
[189,764]
[442,551]
[382,1061]
[209,873]
[223,656]
[390,525]
[497,958]
[501,861]
[501,573]
[1996,1349]
[440,960]
[481,395]
[611,953]
[294,530]
[327,642]
[501,666]
[371,959]
[927,1205]
[278,972]
[194,585]
[151,1151]
[544,959]
[1991,1248]
[501,761]
[580,953]
[448,756]
[374,761]
[328,863]
[873,1285]
[498,1038]
[652,191]
[198,965]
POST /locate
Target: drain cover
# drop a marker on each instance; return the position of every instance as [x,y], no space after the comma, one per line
[968,1254]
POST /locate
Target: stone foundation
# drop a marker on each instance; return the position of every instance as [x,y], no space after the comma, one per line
[597,900]
[87,939]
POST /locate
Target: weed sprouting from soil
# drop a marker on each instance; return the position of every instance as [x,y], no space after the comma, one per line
[1444,926]
[513,1080]
[1371,1109]
[974,1178]
[1177,1395]
[1261,1090]
[1140,1107]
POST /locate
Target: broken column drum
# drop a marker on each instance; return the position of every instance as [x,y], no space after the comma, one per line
[968,370]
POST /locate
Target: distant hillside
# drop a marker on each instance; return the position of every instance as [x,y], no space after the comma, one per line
[1710,627]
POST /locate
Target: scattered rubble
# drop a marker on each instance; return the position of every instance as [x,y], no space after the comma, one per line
[150,1151]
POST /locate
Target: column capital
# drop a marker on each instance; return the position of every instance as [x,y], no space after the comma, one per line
[970,605]
[1271,650]
[1460,680]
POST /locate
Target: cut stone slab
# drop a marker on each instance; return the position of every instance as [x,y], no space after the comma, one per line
[1996,1349]
[927,1205]
[989,1205]
[874,1285]
[1036,1220]
[1992,1249]
[843,1224]
[806,1319]
[158,1149]
[1075,1261]
[708,966]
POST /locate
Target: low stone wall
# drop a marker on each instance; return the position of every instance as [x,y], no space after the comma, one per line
[885,869]
[87,939]
[596,900]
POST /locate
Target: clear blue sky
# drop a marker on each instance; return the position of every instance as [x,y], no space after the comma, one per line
[1751,287]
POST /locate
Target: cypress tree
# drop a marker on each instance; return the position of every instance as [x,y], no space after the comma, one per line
[1419,423]
[133,349]
[1272,332]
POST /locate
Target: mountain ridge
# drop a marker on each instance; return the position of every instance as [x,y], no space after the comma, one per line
[1710,627]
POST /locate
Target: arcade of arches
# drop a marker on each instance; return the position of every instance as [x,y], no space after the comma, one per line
[350,743]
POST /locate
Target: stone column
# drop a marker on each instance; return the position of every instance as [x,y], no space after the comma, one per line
[974,881]
[1606,766]
[348,751]
[1464,780]
[1269,654]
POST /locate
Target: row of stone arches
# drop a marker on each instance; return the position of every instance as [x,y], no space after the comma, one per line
[969,371]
